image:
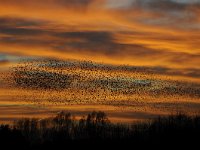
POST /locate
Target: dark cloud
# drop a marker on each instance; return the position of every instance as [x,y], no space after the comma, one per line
[164,5]
[80,41]
[185,57]
[168,12]
[50,3]
[93,41]
[26,41]
[102,43]
[19,22]
[193,73]
[97,37]
[74,2]
[20,32]
[18,26]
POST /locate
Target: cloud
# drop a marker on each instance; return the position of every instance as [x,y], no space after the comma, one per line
[176,14]
[161,5]
[38,38]
[3,60]
[75,2]
[125,39]
[65,3]
[146,33]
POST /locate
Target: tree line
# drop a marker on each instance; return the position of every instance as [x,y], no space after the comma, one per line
[64,129]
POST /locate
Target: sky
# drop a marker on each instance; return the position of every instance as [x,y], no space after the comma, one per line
[134,32]
[141,55]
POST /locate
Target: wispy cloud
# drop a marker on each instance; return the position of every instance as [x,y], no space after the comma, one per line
[135,32]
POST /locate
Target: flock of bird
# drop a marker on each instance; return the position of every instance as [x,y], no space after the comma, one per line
[87,83]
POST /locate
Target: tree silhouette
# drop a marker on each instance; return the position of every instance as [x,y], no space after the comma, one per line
[64,128]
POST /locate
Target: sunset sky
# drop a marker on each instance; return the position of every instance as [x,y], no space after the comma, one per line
[136,32]
[158,35]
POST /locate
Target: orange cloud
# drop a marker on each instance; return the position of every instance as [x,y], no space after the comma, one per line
[93,30]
